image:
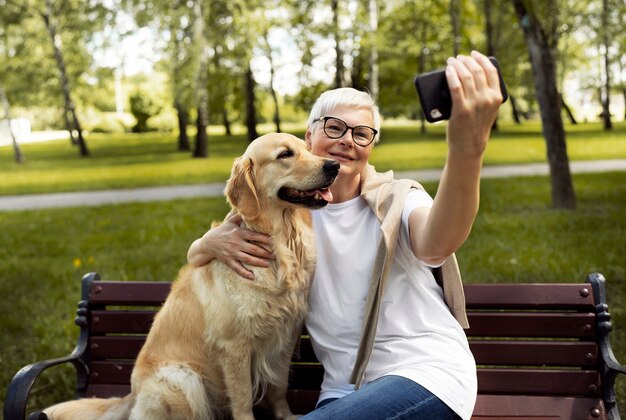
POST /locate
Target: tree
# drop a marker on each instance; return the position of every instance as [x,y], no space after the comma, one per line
[69,25]
[201,50]
[606,94]
[373,79]
[339,68]
[50,19]
[416,40]
[269,51]
[17,152]
[543,66]
[455,21]
[250,105]
[173,18]
[143,108]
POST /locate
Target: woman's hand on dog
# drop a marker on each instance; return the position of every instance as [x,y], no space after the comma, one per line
[232,245]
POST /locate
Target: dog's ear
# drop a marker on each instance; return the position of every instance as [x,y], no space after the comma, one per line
[241,190]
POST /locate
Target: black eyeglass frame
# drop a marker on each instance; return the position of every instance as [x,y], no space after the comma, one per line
[325,119]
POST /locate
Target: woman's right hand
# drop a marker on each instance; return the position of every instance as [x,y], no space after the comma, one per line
[232,245]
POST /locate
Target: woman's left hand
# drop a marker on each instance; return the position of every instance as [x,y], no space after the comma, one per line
[476,97]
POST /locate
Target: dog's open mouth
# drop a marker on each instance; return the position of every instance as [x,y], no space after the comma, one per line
[314,198]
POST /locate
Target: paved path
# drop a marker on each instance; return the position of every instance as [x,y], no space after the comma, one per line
[97,198]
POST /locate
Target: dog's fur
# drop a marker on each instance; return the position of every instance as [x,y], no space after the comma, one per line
[221,342]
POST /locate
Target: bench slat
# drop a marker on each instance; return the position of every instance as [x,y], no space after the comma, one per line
[483,296]
[495,381]
[486,352]
[110,372]
[537,407]
[531,324]
[541,296]
[107,390]
[482,324]
[116,347]
[538,382]
[121,322]
[117,372]
[301,401]
[541,353]
[129,293]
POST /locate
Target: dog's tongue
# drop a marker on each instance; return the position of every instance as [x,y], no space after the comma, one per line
[326,194]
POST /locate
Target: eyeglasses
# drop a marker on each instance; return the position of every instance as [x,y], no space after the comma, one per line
[335,128]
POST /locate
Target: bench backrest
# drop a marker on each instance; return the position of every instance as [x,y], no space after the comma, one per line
[536,341]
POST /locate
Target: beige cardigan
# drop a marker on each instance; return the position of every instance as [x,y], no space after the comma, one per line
[386,197]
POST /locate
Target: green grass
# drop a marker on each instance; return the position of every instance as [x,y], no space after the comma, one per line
[138,160]
[516,238]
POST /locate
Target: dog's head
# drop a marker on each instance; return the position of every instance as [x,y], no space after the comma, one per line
[278,171]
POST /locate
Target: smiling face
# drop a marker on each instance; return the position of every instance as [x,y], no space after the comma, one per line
[278,171]
[353,158]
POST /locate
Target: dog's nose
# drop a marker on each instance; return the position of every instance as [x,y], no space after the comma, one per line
[331,167]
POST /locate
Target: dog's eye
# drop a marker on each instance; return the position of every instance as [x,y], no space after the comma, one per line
[285,154]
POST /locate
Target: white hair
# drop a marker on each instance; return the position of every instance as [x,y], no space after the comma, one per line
[334,98]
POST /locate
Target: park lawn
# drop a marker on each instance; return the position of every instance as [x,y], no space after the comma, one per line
[517,237]
[141,160]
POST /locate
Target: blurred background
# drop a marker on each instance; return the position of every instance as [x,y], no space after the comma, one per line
[122,65]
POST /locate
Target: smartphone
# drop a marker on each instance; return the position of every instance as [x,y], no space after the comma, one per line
[434,95]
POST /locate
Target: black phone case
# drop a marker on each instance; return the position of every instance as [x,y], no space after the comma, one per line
[434,95]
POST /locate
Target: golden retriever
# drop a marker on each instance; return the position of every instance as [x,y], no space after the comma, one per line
[221,342]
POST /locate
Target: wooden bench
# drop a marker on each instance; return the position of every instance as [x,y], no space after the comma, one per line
[543,350]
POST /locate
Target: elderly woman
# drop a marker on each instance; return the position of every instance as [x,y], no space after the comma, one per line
[388,333]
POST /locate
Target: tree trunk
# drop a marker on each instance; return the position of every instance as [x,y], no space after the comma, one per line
[568,111]
[544,75]
[17,152]
[177,90]
[250,105]
[82,145]
[71,119]
[201,149]
[183,122]
[489,27]
[455,20]
[515,110]
[272,90]
[624,94]
[421,68]
[606,102]
[373,80]
[226,122]
[489,41]
[339,73]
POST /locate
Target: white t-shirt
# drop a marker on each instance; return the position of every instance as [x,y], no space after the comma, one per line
[417,336]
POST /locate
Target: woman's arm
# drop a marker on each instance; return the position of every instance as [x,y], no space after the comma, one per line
[475,90]
[233,245]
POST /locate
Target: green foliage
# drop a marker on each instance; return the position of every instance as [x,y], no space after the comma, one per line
[143,107]
[109,123]
[27,62]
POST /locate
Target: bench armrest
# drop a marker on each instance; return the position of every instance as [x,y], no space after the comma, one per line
[611,367]
[18,391]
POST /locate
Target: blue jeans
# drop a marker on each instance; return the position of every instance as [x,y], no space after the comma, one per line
[389,397]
